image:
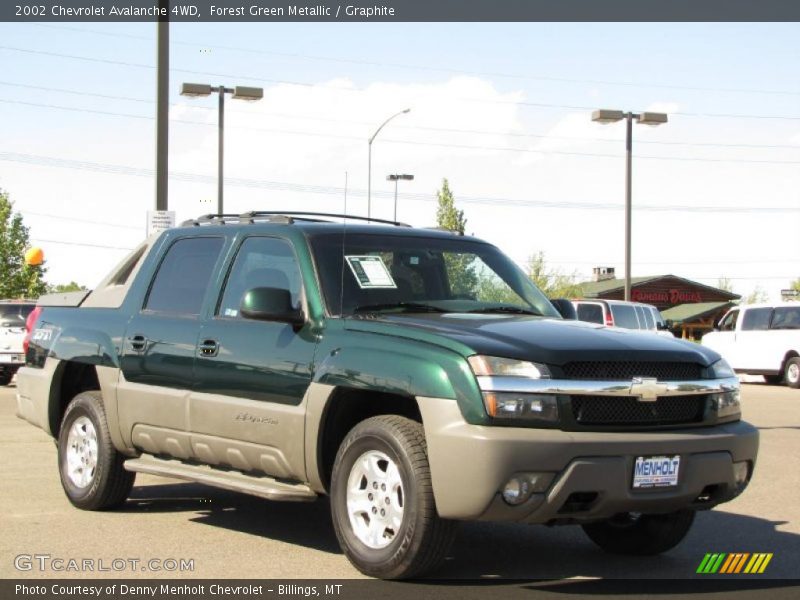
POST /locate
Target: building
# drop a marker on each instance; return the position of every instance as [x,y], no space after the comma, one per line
[692,307]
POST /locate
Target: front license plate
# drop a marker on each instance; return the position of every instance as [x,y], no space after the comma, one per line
[656,471]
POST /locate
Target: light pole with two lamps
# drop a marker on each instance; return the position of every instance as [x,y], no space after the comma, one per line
[397,177]
[195,90]
[645,118]
[369,158]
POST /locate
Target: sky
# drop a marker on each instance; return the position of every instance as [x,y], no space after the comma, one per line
[502,110]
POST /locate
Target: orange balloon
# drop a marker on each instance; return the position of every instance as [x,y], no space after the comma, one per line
[34,257]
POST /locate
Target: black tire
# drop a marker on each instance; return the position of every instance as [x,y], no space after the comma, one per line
[109,483]
[641,534]
[5,378]
[422,540]
[774,379]
[791,372]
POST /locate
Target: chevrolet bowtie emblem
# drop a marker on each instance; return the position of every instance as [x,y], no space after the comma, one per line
[647,388]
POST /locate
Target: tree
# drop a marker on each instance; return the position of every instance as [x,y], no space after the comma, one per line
[757,295]
[460,270]
[447,215]
[62,288]
[795,285]
[552,282]
[17,280]
[724,283]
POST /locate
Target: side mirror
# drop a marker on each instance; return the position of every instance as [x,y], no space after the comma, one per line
[665,325]
[271,304]
[565,308]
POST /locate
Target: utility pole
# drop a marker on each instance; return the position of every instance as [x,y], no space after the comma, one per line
[162,109]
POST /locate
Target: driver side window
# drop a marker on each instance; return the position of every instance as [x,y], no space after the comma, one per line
[729,322]
[260,262]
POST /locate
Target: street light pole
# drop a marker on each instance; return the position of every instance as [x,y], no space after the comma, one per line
[369,158]
[238,93]
[606,116]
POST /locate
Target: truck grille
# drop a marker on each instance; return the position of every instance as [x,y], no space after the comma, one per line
[620,410]
[625,370]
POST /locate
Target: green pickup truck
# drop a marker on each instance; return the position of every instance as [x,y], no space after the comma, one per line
[416,377]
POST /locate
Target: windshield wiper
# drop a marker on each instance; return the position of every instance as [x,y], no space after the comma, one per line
[506,309]
[404,306]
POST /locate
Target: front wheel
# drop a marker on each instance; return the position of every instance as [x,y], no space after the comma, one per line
[382,500]
[91,469]
[638,534]
[791,373]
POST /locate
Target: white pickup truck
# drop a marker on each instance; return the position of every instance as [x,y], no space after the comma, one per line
[761,339]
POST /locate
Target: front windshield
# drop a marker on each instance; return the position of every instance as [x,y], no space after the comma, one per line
[418,274]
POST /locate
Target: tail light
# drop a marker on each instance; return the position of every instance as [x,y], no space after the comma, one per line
[609,319]
[29,323]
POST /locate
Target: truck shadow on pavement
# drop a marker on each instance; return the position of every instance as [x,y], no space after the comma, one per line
[493,552]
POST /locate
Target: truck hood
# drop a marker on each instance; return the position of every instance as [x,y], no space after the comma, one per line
[539,339]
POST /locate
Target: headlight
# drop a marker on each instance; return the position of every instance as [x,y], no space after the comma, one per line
[507,367]
[727,404]
[719,370]
[514,405]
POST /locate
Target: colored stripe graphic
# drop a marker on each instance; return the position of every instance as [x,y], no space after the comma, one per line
[724,563]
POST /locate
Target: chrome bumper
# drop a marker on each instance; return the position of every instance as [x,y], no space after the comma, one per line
[644,387]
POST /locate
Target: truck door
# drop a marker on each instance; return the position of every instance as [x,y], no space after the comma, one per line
[251,375]
[723,340]
[159,349]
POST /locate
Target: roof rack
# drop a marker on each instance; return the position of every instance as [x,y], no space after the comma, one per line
[288,217]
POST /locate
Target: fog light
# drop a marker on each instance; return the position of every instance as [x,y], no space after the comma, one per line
[741,472]
[520,487]
[517,490]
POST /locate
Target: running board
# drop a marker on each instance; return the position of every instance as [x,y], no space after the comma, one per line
[262,486]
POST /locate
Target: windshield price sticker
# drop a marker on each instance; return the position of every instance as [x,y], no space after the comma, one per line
[656,471]
[370,272]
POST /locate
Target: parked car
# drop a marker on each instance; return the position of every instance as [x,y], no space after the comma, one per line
[761,339]
[618,313]
[417,377]
[13,314]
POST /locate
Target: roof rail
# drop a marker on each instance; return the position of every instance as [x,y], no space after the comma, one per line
[280,217]
[300,216]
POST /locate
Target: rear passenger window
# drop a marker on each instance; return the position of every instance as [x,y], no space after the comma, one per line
[756,319]
[786,317]
[183,276]
[640,310]
[624,316]
[649,321]
[593,313]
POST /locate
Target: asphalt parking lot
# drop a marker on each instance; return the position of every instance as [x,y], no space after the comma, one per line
[229,535]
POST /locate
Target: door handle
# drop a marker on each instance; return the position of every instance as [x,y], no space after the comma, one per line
[209,348]
[138,342]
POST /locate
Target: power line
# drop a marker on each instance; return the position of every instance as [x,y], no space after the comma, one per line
[440,69]
[361,90]
[65,243]
[77,220]
[414,142]
[337,191]
[407,127]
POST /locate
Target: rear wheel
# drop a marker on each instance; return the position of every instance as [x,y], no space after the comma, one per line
[791,372]
[774,379]
[382,500]
[638,534]
[91,469]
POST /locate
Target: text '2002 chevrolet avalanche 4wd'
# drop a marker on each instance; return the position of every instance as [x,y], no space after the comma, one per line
[417,377]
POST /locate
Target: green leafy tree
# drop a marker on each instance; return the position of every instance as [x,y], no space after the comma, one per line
[17,280]
[460,270]
[553,282]
[62,288]
[795,285]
